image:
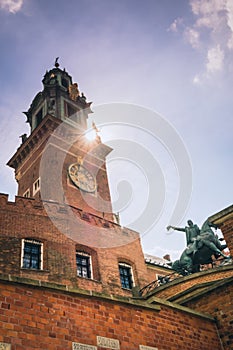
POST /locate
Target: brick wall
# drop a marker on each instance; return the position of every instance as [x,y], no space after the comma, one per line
[49,319]
[227,230]
[26,218]
[155,270]
[224,220]
[218,303]
[53,171]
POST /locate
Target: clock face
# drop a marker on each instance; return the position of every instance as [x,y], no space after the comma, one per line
[82,178]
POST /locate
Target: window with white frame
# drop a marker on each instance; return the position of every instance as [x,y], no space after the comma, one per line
[36,186]
[27,193]
[83,263]
[126,275]
[32,254]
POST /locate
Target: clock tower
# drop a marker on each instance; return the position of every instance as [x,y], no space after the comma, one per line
[57,162]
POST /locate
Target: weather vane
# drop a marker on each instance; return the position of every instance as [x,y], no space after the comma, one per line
[56,64]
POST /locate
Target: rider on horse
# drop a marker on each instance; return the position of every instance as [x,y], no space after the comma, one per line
[201,245]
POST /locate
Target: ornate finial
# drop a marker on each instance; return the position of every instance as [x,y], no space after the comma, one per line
[56,64]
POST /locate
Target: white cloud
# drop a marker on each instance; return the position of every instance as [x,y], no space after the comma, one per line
[210,14]
[206,7]
[229,7]
[215,58]
[217,17]
[192,36]
[175,25]
[214,64]
[211,30]
[197,79]
[12,6]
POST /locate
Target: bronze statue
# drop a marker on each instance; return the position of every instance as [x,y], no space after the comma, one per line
[191,231]
[201,246]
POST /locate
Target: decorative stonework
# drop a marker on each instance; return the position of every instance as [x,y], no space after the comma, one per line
[79,346]
[108,343]
[5,346]
[144,347]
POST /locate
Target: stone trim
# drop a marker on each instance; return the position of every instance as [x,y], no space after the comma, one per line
[181,308]
[79,292]
[154,304]
[222,216]
[182,279]
[209,287]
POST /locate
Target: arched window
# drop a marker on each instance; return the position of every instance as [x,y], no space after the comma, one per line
[126,275]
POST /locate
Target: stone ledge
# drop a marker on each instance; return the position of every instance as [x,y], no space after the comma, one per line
[183,279]
[182,308]
[77,291]
[222,216]
[183,298]
[154,304]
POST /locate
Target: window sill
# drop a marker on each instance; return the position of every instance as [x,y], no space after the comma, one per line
[24,269]
[88,279]
[127,289]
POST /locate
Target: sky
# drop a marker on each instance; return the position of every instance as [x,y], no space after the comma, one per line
[169,63]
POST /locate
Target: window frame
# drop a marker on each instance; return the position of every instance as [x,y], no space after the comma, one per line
[27,193]
[40,257]
[129,275]
[36,183]
[70,110]
[88,265]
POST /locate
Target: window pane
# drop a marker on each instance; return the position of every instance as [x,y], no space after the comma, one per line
[84,271]
[83,266]
[79,270]
[32,255]
[84,261]
[126,276]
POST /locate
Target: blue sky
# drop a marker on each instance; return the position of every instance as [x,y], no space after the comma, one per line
[173,57]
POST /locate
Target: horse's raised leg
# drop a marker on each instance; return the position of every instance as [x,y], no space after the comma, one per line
[213,247]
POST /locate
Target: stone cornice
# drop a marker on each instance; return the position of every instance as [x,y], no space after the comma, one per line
[222,216]
[49,123]
[78,292]
[154,305]
[199,290]
[195,276]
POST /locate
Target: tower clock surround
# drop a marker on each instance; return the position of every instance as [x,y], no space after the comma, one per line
[82,178]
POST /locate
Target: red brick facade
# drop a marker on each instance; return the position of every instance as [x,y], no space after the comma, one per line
[42,318]
[48,159]
[26,218]
[50,306]
[224,219]
[209,291]
[218,303]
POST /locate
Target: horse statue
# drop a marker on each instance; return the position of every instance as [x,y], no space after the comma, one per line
[200,248]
